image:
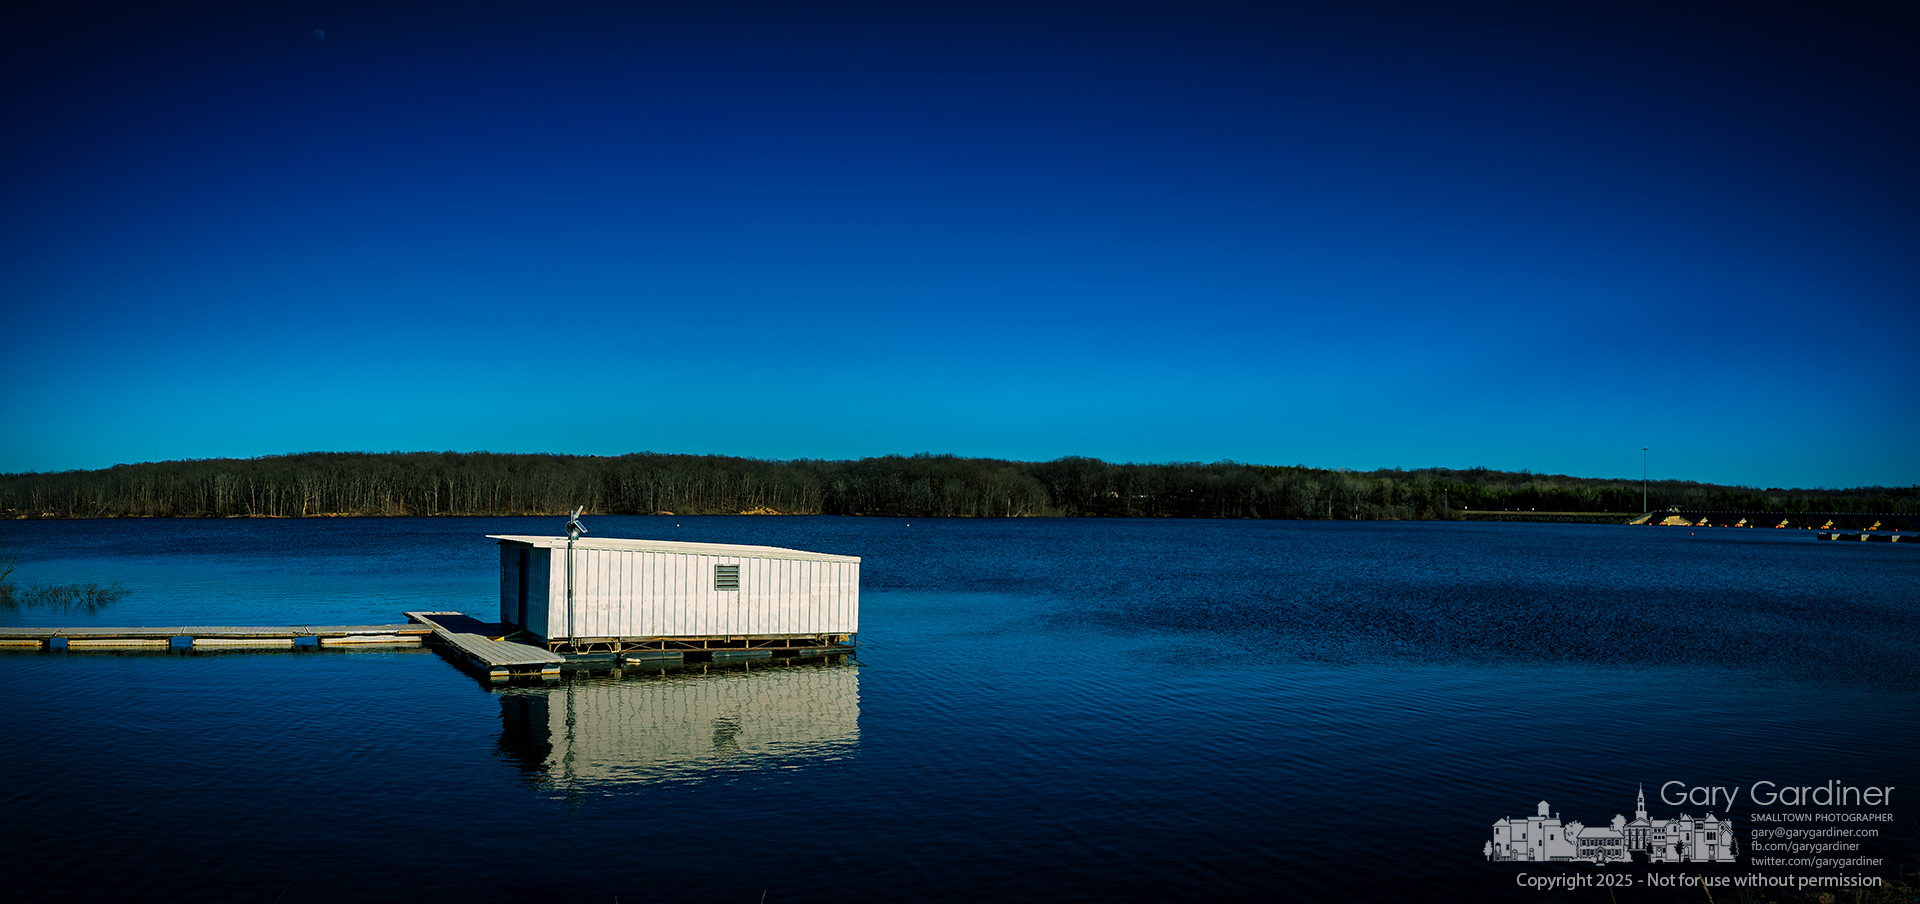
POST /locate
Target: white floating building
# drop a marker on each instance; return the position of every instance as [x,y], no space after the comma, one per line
[653,599]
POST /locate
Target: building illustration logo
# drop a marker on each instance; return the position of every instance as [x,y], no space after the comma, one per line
[1543,837]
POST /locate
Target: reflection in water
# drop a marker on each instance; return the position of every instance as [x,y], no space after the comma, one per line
[609,729]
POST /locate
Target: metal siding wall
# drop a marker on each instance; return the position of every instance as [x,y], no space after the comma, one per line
[821,587]
[818,605]
[718,606]
[657,585]
[674,615]
[600,596]
[633,600]
[695,615]
[799,602]
[758,595]
[620,612]
[821,584]
[772,610]
[780,615]
[809,581]
[588,595]
[826,592]
[608,600]
[671,594]
[817,601]
[619,602]
[631,593]
[746,601]
[720,610]
[582,611]
[557,591]
[785,613]
[654,585]
[779,609]
[727,607]
[853,596]
[594,606]
[682,618]
[825,605]
[619,592]
[540,591]
[509,578]
[556,584]
[737,605]
[583,595]
[803,607]
[647,585]
[789,599]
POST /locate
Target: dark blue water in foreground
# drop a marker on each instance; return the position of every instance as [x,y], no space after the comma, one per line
[1047,710]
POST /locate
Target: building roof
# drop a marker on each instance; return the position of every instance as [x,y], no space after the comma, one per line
[675,547]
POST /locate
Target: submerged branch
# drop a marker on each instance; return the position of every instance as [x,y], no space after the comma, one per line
[76,598]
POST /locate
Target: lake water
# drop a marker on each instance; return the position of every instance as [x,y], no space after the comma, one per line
[1043,710]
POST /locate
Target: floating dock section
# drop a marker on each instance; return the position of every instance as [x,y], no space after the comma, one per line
[487,649]
[202,636]
[1868,536]
[472,642]
[490,649]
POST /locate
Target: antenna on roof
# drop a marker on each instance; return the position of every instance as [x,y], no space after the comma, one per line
[573,523]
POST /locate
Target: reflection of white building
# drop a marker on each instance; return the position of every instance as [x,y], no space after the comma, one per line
[1544,837]
[622,730]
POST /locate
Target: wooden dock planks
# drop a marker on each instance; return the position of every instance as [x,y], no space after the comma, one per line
[204,635]
[485,649]
[482,645]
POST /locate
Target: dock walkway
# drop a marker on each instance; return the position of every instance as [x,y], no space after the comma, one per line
[1867,535]
[486,647]
[212,635]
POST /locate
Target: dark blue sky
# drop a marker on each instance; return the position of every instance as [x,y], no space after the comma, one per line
[1344,234]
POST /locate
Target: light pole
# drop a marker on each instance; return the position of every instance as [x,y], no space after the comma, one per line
[574,530]
[1643,480]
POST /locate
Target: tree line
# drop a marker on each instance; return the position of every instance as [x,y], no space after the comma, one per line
[486,483]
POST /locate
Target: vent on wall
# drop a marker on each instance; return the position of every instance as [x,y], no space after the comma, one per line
[726,577]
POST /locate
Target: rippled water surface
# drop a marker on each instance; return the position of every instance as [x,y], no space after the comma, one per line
[1044,710]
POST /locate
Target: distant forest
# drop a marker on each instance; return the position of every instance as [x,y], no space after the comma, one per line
[485,483]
